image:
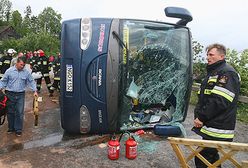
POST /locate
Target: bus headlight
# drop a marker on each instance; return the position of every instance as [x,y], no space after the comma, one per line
[85,121]
[86,32]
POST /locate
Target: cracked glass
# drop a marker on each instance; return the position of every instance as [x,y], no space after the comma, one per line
[155,74]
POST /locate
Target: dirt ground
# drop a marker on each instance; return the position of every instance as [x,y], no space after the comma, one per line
[47,146]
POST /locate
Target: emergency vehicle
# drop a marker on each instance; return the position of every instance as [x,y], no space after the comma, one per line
[125,74]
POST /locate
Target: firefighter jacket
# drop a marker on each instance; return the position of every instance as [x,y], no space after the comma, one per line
[217,102]
[56,68]
[34,63]
[4,64]
[43,64]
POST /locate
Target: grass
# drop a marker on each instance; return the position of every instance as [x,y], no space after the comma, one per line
[242,112]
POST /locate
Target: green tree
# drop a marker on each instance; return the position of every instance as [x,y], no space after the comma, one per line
[37,32]
[232,58]
[16,21]
[43,40]
[49,21]
[197,51]
[34,27]
[5,11]
[28,11]
[26,25]
[198,62]
[240,62]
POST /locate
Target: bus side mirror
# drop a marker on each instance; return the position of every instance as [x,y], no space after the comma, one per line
[180,13]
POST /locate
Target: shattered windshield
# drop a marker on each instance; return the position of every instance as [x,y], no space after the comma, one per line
[155,73]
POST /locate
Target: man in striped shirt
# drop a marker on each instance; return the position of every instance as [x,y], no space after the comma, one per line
[14,82]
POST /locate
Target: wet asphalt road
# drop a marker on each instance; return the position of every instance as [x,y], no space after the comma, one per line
[47,146]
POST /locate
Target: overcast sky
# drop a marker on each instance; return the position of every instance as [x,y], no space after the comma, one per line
[223,21]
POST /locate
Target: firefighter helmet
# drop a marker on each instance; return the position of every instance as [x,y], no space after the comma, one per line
[11,51]
[41,52]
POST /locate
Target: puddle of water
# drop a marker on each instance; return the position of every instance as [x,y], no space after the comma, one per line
[50,140]
[47,141]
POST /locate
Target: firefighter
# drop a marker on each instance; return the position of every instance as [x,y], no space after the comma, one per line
[56,70]
[34,62]
[215,112]
[5,61]
[43,67]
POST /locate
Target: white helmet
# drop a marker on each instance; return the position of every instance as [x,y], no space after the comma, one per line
[11,51]
[36,75]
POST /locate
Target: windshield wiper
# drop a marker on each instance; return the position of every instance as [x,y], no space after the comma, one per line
[124,71]
[116,35]
[161,27]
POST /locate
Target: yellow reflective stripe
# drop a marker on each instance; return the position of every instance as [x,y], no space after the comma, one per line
[213,79]
[46,75]
[223,92]
[198,92]
[217,135]
[56,78]
[207,91]
[6,62]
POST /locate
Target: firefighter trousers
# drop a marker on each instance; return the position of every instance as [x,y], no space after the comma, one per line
[210,154]
[48,83]
[56,84]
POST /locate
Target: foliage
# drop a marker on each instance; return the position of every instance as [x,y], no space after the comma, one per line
[26,24]
[32,41]
[199,71]
[49,21]
[193,98]
[5,10]
[16,21]
[34,27]
[37,32]
[197,51]
[199,65]
[240,62]
[242,113]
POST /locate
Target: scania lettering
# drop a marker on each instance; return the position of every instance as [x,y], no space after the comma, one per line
[125,74]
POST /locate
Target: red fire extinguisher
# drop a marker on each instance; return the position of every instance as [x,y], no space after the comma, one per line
[113,148]
[131,148]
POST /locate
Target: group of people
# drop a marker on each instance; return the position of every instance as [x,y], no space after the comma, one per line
[15,78]
[39,63]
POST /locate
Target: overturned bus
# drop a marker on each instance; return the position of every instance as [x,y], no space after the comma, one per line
[125,74]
